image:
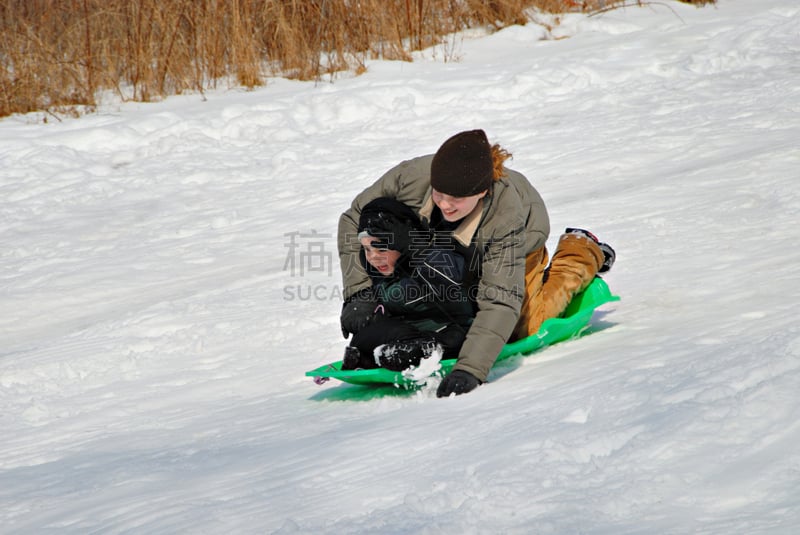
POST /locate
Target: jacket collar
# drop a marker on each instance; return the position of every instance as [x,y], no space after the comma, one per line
[468,226]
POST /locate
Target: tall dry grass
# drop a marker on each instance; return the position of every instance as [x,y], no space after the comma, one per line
[57,54]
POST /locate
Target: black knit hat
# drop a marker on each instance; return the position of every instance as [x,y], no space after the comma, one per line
[462,166]
[384,216]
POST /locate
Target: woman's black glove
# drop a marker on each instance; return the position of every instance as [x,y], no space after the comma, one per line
[357,311]
[457,382]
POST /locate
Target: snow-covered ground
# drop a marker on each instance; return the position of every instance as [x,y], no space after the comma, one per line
[168,273]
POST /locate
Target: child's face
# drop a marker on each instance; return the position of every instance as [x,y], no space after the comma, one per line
[382,260]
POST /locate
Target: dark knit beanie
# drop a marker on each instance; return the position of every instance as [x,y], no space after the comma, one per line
[384,216]
[462,166]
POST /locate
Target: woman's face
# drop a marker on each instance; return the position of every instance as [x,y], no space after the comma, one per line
[383,260]
[455,208]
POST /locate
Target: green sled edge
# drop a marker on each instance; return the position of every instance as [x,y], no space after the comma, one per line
[570,325]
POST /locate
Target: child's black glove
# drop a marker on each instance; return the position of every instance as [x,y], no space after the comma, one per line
[358,311]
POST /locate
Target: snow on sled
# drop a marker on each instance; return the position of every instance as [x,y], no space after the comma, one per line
[570,325]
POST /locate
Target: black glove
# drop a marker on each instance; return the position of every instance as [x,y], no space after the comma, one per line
[457,382]
[358,311]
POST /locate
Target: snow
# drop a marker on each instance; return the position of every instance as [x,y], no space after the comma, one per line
[156,322]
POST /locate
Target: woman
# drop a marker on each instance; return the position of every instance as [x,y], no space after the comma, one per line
[498,222]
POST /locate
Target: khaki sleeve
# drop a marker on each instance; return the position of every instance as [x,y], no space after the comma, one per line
[354,278]
[500,294]
[407,182]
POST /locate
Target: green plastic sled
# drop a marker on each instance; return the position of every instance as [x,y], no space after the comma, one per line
[571,324]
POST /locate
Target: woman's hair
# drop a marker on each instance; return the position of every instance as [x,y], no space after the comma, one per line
[499,156]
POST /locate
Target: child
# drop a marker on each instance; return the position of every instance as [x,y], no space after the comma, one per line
[419,303]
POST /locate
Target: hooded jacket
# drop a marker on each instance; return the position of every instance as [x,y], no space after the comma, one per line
[506,226]
[425,289]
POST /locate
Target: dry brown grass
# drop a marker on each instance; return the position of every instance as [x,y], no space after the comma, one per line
[56,54]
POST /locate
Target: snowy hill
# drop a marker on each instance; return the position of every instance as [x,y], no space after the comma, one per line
[168,273]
